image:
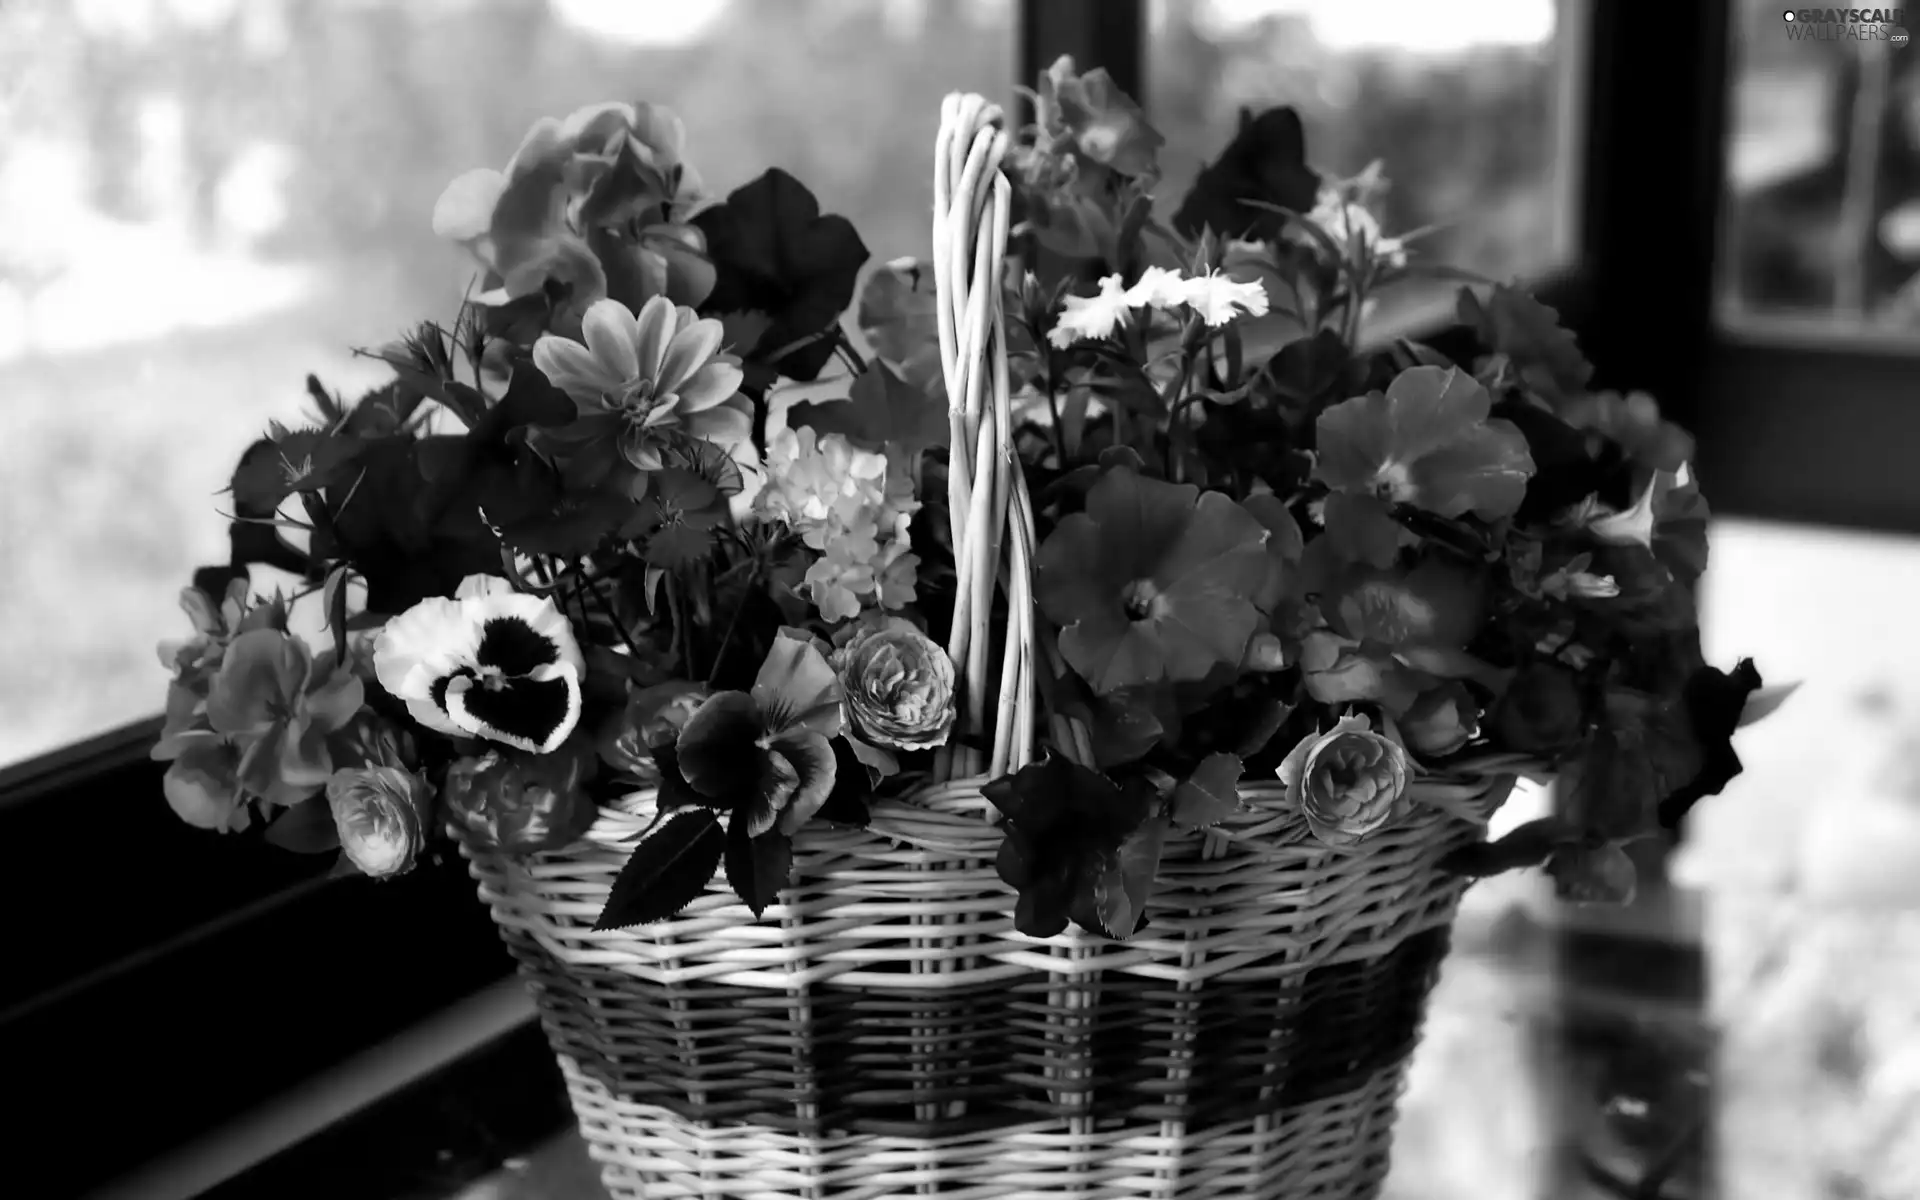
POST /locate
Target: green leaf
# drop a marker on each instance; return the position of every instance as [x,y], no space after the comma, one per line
[882,412]
[1361,529]
[667,871]
[578,526]
[1120,891]
[1529,334]
[306,828]
[1613,786]
[303,460]
[1307,368]
[1426,441]
[757,867]
[1211,794]
[1593,874]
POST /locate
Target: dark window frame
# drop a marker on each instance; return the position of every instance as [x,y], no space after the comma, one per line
[210,958]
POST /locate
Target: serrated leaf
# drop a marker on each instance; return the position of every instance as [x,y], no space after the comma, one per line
[1513,323]
[667,871]
[1211,794]
[882,411]
[1426,441]
[1121,889]
[757,867]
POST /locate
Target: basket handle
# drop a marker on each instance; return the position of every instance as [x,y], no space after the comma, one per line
[987,499]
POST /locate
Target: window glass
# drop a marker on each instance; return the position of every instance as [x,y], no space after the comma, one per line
[1809,865]
[208,199]
[1822,223]
[1465,105]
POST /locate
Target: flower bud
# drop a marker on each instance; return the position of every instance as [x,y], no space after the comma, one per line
[1441,721]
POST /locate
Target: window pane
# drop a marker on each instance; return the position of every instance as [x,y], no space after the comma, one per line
[1823,175]
[1465,104]
[1807,866]
[207,199]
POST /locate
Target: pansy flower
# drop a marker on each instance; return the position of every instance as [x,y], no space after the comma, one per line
[490,663]
[642,381]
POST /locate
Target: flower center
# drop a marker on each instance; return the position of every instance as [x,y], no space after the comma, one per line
[637,400]
[1393,483]
[1142,600]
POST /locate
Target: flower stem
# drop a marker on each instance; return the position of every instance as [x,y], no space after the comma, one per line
[613,618]
[682,643]
[733,622]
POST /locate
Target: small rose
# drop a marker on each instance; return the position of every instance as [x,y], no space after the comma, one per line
[378,811]
[1347,782]
[898,684]
[654,716]
[1441,721]
[1541,712]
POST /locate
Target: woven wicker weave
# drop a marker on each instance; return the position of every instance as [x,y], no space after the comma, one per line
[884,1031]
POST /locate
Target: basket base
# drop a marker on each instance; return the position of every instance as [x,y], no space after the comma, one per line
[1333,1149]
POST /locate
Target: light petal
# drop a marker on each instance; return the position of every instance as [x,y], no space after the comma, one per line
[725,426]
[658,322]
[692,347]
[612,335]
[570,367]
[711,385]
[423,644]
[464,212]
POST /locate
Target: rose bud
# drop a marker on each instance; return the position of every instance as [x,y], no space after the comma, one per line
[379,813]
[898,684]
[1541,712]
[1441,721]
[519,803]
[1347,782]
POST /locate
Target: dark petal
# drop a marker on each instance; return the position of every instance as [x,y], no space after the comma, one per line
[810,757]
[716,749]
[761,809]
[510,645]
[528,713]
[1075,579]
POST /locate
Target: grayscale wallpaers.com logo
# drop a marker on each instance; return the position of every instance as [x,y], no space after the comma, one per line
[1847,24]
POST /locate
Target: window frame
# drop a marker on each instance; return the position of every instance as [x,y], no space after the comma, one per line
[242,958]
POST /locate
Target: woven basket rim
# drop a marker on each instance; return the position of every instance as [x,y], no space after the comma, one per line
[956,817]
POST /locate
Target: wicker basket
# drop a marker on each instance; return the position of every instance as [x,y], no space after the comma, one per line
[884,1031]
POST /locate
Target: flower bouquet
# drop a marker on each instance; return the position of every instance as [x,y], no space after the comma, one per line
[939,727]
